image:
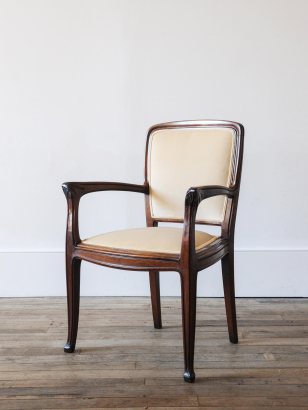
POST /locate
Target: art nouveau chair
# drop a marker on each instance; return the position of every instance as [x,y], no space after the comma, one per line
[192,176]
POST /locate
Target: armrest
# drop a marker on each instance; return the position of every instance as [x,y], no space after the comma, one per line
[193,198]
[197,194]
[76,190]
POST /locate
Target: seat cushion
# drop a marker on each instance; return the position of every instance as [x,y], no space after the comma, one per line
[159,240]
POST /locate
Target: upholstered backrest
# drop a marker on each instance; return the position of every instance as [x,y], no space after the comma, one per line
[181,158]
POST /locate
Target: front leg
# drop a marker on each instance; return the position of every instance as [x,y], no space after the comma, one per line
[189,304]
[73,297]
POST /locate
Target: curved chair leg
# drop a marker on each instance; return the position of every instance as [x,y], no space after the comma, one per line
[155,299]
[189,303]
[227,264]
[73,296]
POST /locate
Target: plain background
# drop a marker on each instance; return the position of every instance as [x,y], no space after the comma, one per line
[81,81]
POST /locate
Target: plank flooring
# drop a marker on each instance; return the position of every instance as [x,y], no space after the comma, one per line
[121,361]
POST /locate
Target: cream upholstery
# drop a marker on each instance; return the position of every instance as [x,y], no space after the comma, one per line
[161,240]
[179,159]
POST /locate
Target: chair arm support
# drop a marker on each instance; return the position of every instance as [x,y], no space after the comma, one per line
[193,198]
[74,190]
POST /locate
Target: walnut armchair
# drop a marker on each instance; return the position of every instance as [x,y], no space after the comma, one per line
[186,163]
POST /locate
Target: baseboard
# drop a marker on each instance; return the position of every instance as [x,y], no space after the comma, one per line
[258,273]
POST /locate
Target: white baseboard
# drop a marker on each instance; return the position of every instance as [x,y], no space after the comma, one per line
[264,273]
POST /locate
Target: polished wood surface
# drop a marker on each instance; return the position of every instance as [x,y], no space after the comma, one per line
[187,264]
[123,362]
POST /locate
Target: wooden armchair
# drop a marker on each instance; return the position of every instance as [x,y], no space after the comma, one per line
[185,163]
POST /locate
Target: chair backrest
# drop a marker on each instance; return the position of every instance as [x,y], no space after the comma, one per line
[186,154]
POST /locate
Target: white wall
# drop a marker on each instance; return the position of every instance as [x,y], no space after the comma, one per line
[81,81]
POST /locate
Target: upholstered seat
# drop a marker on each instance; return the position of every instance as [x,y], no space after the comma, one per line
[156,240]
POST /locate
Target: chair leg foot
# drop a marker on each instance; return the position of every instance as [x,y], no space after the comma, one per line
[155,299]
[189,377]
[233,340]
[69,349]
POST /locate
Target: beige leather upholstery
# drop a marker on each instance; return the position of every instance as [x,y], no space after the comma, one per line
[179,159]
[161,240]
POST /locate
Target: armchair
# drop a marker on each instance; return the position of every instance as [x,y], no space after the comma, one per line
[204,154]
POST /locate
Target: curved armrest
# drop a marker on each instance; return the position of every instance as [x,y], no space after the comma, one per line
[76,190]
[197,194]
[192,200]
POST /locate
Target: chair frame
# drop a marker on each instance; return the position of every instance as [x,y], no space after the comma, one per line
[188,263]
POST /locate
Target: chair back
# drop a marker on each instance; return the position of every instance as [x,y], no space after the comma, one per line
[186,154]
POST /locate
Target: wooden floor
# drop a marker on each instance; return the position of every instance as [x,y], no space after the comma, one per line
[121,361]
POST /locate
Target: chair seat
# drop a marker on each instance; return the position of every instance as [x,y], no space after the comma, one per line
[156,240]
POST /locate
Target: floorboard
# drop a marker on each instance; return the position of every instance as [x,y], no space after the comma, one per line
[122,362]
